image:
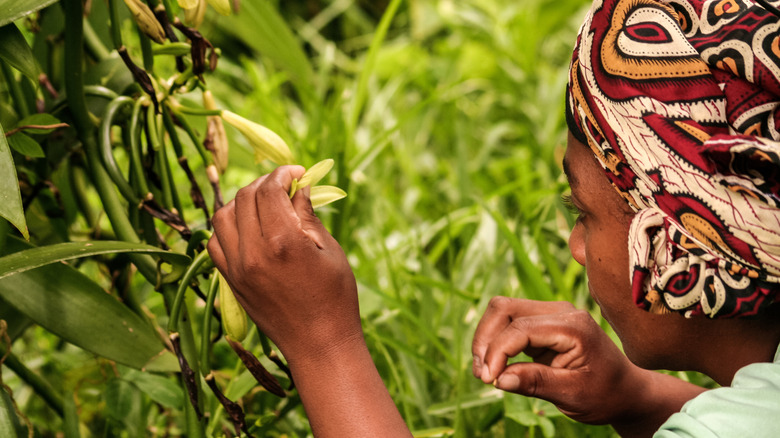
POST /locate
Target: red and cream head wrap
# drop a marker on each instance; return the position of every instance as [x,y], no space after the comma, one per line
[680,102]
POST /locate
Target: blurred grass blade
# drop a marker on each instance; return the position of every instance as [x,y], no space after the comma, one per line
[530,275]
[16,52]
[44,255]
[10,198]
[75,308]
[259,25]
[370,62]
[12,10]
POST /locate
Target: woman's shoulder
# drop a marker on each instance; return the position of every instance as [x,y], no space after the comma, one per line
[749,407]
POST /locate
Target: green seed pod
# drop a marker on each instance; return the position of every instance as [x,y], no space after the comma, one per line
[233,315]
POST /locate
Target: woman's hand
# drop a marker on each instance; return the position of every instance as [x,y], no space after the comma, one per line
[287,271]
[294,281]
[576,366]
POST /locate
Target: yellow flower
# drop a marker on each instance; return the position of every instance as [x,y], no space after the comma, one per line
[188,4]
[193,15]
[266,143]
[319,195]
[221,6]
[323,195]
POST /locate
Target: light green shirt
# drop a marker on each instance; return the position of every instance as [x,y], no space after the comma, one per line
[750,407]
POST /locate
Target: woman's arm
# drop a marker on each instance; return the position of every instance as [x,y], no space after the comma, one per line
[576,366]
[294,281]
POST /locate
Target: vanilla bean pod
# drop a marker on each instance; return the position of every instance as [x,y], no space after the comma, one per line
[141,77]
[188,375]
[170,218]
[232,408]
[198,46]
[263,377]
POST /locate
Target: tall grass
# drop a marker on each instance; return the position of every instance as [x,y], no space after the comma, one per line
[448,130]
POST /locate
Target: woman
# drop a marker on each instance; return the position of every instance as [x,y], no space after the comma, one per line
[672,161]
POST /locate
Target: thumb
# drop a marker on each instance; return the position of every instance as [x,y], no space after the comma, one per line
[533,379]
[310,223]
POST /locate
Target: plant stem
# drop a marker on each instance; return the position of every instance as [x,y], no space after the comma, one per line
[93,43]
[178,302]
[135,149]
[116,30]
[205,339]
[20,102]
[41,386]
[107,154]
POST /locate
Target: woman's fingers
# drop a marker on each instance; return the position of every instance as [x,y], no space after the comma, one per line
[535,380]
[501,311]
[225,230]
[309,221]
[277,216]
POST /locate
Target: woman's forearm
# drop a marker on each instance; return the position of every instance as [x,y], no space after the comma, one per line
[344,395]
[658,397]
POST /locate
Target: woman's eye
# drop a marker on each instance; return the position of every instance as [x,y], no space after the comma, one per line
[567,202]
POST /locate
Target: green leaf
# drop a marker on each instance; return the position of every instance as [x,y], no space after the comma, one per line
[25,145]
[44,255]
[73,307]
[10,198]
[160,389]
[9,422]
[16,52]
[38,119]
[12,10]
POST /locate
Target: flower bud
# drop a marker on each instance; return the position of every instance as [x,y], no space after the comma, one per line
[146,20]
[266,143]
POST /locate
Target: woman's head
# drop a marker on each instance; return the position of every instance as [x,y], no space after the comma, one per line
[679,106]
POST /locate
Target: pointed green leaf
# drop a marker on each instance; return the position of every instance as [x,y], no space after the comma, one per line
[10,198]
[73,307]
[16,52]
[12,10]
[324,195]
[43,255]
[25,145]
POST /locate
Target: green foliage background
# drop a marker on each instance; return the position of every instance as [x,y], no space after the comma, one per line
[445,119]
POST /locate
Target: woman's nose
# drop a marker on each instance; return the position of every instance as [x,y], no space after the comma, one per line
[577,243]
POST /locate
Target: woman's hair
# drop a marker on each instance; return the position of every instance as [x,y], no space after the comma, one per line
[680,102]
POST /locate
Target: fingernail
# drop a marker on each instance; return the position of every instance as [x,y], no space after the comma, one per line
[507,382]
[486,376]
[477,366]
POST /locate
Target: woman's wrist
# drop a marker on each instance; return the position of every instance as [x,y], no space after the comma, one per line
[654,397]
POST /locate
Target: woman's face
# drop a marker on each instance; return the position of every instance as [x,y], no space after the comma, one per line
[599,242]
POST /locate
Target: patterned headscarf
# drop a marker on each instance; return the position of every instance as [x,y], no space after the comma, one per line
[680,102]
